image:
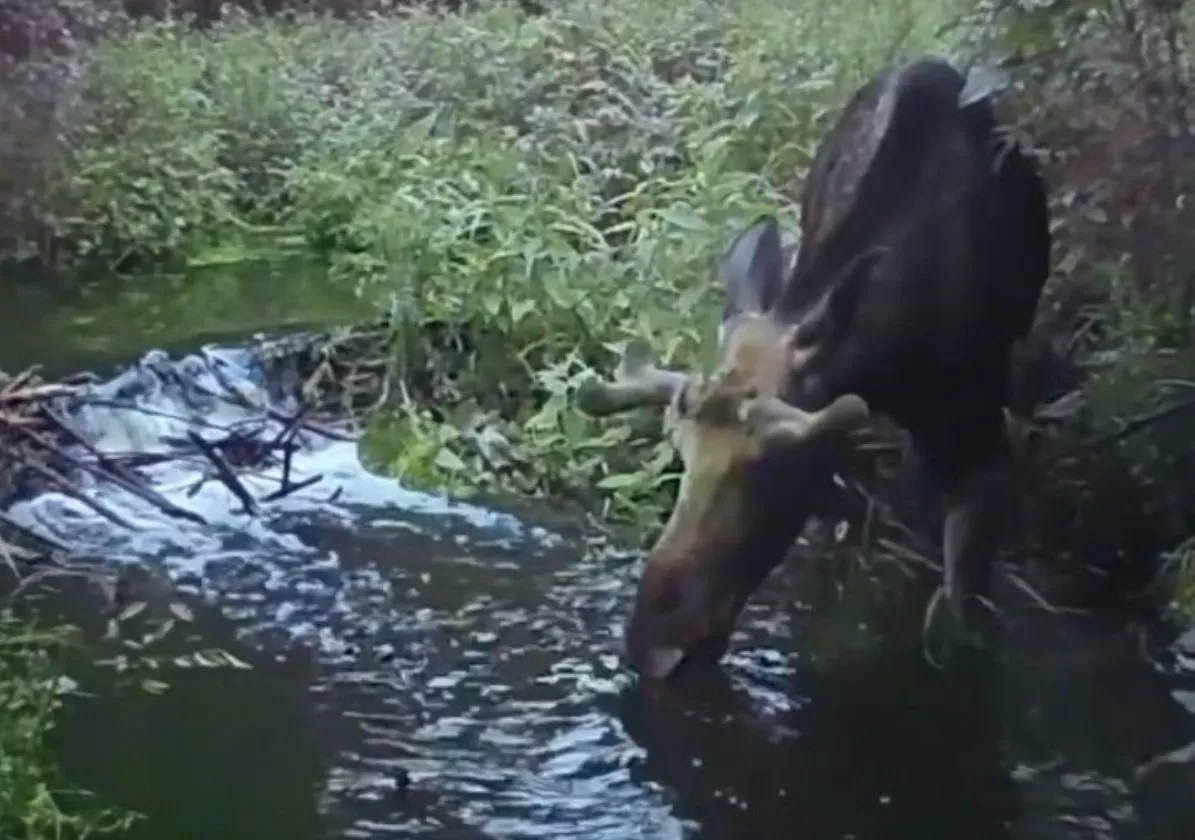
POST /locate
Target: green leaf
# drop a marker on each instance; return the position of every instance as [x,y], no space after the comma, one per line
[683,219]
[619,481]
[449,461]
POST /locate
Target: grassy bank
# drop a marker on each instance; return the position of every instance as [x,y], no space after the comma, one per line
[544,188]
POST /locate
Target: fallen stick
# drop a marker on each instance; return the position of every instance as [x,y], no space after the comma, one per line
[153,412]
[67,489]
[37,393]
[77,438]
[225,472]
[128,481]
[316,428]
[290,428]
[29,533]
[146,494]
[289,489]
[286,440]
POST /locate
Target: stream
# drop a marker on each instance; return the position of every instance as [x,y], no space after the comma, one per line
[424,668]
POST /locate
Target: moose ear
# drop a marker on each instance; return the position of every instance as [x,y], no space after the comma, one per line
[752,269]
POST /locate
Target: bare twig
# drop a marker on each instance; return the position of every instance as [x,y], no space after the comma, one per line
[67,488]
[22,379]
[906,553]
[38,393]
[289,489]
[116,476]
[153,412]
[75,437]
[225,472]
[1039,599]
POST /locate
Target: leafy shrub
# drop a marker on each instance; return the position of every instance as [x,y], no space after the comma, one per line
[550,185]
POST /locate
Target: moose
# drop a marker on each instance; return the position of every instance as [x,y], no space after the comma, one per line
[925,245]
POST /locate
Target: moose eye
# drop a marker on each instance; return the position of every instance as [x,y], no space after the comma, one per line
[682,402]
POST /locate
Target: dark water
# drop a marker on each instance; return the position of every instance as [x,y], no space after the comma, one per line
[69,327]
[395,635]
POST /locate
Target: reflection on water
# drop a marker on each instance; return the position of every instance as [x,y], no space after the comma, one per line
[883,747]
[66,327]
[487,673]
[168,756]
[439,671]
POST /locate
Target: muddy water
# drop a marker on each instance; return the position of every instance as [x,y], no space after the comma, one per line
[434,670]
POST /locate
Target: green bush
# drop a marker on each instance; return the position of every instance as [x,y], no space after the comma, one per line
[550,185]
[180,138]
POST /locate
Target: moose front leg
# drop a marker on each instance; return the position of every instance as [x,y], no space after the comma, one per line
[976,514]
[964,450]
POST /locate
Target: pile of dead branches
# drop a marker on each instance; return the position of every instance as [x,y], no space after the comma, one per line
[345,373]
[40,449]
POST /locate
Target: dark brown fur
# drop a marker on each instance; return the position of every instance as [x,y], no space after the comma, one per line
[957,221]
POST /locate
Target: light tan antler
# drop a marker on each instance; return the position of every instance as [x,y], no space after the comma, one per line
[773,419]
[637,382]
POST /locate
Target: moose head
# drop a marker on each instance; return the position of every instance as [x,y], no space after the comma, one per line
[753,462]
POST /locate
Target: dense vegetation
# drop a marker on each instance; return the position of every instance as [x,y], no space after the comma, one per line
[541,187]
[564,187]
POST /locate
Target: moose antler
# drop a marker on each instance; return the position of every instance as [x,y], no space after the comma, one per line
[637,382]
[775,419]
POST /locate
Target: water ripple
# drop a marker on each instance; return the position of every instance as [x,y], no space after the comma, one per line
[475,656]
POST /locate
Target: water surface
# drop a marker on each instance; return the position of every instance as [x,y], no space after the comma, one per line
[67,327]
[398,637]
